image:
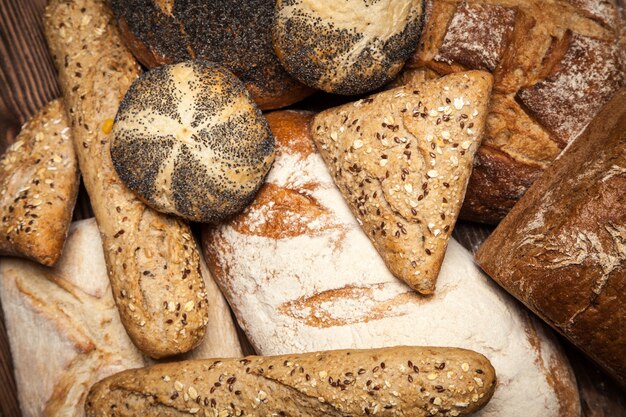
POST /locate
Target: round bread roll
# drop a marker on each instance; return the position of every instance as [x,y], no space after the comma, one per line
[232,33]
[349,46]
[189,141]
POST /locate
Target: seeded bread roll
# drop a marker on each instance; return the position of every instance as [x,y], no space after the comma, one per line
[189,141]
[232,33]
[402,159]
[38,187]
[346,47]
[151,258]
[415,381]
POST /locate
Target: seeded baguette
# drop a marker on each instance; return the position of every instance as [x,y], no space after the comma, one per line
[152,261]
[413,381]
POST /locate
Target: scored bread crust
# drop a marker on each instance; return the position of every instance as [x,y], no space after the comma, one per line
[301,276]
[151,258]
[38,187]
[402,159]
[347,47]
[231,33]
[555,64]
[562,249]
[397,381]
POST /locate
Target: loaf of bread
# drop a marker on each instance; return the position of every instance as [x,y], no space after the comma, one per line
[38,187]
[189,141]
[416,381]
[151,259]
[562,249]
[402,159]
[346,47]
[301,276]
[231,33]
[65,332]
[555,64]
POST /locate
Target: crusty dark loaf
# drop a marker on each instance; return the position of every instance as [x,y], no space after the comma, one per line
[562,249]
[555,64]
[152,260]
[415,381]
[232,33]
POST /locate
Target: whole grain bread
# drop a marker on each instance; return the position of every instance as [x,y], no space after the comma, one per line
[152,261]
[302,276]
[402,159]
[555,64]
[38,187]
[562,249]
[416,381]
[65,333]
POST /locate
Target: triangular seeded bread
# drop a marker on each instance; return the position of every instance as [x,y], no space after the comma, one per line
[402,159]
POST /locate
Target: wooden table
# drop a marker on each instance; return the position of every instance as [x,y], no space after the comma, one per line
[28,81]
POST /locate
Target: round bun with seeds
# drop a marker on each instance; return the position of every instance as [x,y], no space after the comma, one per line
[189,141]
[233,33]
[349,46]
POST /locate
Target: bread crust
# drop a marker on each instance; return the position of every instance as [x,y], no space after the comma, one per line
[38,187]
[231,33]
[396,381]
[152,261]
[555,64]
[561,249]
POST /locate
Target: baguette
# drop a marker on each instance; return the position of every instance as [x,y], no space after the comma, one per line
[416,381]
[151,258]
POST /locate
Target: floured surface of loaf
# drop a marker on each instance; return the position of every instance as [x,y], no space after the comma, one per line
[302,276]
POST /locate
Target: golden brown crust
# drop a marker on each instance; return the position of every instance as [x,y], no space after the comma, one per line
[555,64]
[386,382]
[562,248]
[231,33]
[402,159]
[152,259]
[38,187]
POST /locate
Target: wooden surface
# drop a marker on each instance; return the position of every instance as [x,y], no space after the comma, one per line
[27,82]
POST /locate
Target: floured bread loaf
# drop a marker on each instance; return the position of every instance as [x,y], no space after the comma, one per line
[346,47]
[402,159]
[399,381]
[232,33]
[302,276]
[555,64]
[189,141]
[65,331]
[38,187]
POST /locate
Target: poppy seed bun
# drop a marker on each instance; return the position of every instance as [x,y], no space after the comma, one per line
[189,141]
[346,47]
[232,33]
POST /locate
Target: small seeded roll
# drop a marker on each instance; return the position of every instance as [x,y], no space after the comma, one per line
[189,141]
[346,47]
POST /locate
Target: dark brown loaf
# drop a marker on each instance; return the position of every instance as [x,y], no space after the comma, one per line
[399,381]
[562,249]
[555,64]
[231,33]
[151,258]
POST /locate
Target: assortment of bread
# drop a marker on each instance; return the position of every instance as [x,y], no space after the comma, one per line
[328,233]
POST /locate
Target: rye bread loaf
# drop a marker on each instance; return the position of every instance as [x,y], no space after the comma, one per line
[38,187]
[232,33]
[151,259]
[402,159]
[555,64]
[562,249]
[301,276]
[65,332]
[397,381]
[346,47]
[189,141]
